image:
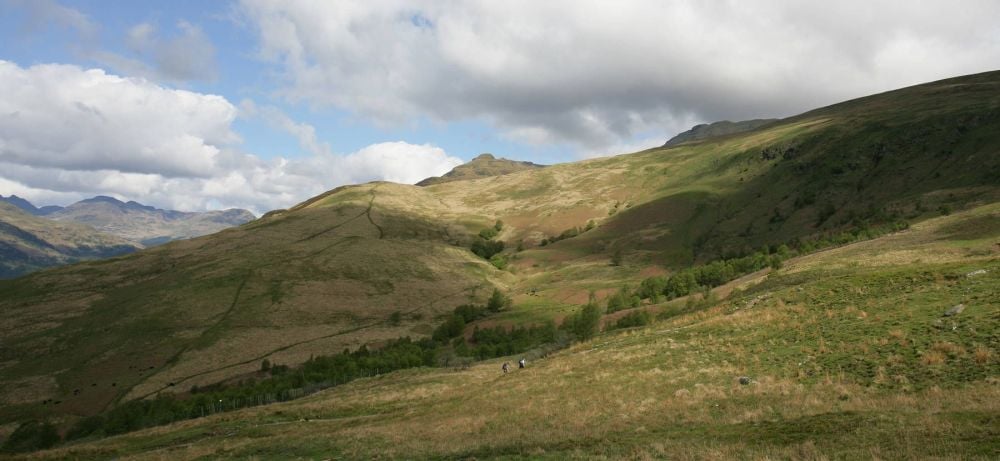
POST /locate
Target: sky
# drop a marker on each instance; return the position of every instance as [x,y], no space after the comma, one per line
[260,104]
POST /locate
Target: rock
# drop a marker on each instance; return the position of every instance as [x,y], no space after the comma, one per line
[744,380]
[976,272]
[954,310]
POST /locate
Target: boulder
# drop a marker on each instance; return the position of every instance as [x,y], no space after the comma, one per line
[957,309]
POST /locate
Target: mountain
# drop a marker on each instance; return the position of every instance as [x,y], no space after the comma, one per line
[711,130]
[845,352]
[28,207]
[483,166]
[145,224]
[29,243]
[827,338]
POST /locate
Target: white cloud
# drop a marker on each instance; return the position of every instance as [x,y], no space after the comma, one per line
[62,116]
[68,133]
[596,74]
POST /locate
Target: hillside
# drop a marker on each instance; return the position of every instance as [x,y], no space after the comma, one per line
[715,129]
[847,353]
[145,224]
[334,271]
[483,166]
[29,243]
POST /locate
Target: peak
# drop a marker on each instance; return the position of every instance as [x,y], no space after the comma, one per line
[484,156]
[102,198]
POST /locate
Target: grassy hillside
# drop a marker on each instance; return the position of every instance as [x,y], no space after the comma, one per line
[199,311]
[848,352]
[29,243]
[369,263]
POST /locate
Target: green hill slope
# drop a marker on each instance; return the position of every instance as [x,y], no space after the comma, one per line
[334,271]
[847,352]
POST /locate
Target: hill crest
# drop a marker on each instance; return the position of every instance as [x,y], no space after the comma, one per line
[482,166]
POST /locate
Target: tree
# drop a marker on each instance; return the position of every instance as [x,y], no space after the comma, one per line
[396,318]
[616,258]
[498,301]
[449,329]
[585,323]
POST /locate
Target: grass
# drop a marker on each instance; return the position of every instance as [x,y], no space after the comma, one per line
[328,274]
[847,361]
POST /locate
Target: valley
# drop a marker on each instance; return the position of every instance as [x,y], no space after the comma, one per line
[828,247]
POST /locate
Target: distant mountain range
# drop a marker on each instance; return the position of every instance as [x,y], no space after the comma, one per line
[32,238]
[29,243]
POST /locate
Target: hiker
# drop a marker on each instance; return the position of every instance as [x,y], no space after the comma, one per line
[520,363]
[505,367]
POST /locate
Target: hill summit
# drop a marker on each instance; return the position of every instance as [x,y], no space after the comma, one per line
[483,166]
[723,128]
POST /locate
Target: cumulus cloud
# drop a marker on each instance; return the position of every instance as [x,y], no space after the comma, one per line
[595,74]
[67,133]
[66,117]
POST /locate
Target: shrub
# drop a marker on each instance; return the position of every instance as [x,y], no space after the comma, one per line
[585,323]
[396,318]
[31,436]
[487,248]
[616,258]
[498,301]
[449,329]
[498,261]
[634,319]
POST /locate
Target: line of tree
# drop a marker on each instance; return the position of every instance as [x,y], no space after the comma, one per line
[568,233]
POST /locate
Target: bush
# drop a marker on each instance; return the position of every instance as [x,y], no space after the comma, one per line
[449,329]
[634,319]
[396,318]
[585,323]
[498,261]
[487,248]
[622,299]
[498,342]
[498,301]
[31,436]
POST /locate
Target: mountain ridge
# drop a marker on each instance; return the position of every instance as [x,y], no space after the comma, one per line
[714,129]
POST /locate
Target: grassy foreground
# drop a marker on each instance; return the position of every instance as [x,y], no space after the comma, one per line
[848,350]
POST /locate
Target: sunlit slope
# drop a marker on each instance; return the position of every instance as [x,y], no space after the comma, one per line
[330,272]
[307,282]
[902,153]
[848,352]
